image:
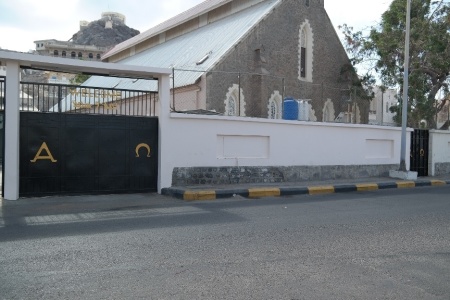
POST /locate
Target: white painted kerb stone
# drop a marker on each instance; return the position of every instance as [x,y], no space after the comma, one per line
[408,175]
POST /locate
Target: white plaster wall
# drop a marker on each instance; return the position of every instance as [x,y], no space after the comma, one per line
[439,149]
[212,141]
[186,100]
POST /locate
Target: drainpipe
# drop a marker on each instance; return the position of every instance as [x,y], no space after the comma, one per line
[283,92]
[239,95]
[173,89]
[382,106]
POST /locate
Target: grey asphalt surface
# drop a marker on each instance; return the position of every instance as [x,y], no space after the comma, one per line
[390,244]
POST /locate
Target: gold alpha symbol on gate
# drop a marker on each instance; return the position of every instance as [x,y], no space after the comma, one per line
[49,155]
[143,145]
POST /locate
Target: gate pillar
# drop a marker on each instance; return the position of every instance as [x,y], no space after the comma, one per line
[12,121]
[164,166]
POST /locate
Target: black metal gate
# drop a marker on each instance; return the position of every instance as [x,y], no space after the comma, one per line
[87,154]
[86,140]
[419,151]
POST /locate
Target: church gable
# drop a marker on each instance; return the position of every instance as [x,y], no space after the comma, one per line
[297,43]
[261,47]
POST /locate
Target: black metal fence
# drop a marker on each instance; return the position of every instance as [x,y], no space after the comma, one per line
[58,98]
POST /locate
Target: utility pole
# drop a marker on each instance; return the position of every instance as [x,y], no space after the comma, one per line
[382,89]
[405,89]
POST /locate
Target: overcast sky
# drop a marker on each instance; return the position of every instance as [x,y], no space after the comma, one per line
[24,21]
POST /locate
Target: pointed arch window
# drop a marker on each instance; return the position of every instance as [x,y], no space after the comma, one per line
[305,52]
[235,102]
[328,111]
[274,107]
[303,44]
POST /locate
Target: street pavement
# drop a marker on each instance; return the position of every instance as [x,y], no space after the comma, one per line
[91,207]
[261,190]
[373,244]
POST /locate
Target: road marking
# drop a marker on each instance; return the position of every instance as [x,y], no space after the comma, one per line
[109,215]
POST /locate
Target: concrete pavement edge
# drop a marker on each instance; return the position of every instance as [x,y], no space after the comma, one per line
[198,194]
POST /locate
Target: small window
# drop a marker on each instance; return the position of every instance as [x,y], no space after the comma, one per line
[55,53]
[73,54]
[98,56]
[80,55]
[91,56]
[63,54]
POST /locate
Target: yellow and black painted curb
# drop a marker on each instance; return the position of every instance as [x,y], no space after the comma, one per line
[260,192]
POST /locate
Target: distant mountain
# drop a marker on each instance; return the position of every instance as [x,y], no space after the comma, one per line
[99,34]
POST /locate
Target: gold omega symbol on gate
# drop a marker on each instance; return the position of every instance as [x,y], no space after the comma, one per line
[143,145]
[422,152]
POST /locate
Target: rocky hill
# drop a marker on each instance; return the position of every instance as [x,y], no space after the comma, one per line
[98,34]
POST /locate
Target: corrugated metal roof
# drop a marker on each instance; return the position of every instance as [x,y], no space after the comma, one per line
[191,13]
[185,51]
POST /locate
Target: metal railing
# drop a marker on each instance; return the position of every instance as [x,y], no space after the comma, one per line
[58,98]
[262,96]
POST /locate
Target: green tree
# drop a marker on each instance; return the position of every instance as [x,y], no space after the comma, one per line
[381,53]
[79,79]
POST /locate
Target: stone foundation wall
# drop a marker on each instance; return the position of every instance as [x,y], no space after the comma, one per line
[441,169]
[236,175]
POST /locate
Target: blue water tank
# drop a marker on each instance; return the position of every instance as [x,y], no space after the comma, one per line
[290,109]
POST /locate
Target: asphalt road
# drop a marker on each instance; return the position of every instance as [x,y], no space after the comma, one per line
[386,244]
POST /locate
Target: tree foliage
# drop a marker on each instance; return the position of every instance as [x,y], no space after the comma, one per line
[381,53]
[79,79]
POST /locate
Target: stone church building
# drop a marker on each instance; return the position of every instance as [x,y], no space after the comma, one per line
[243,57]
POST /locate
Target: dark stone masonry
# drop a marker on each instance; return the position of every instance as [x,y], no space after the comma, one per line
[261,175]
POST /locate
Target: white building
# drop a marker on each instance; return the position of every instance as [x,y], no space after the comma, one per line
[380,105]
